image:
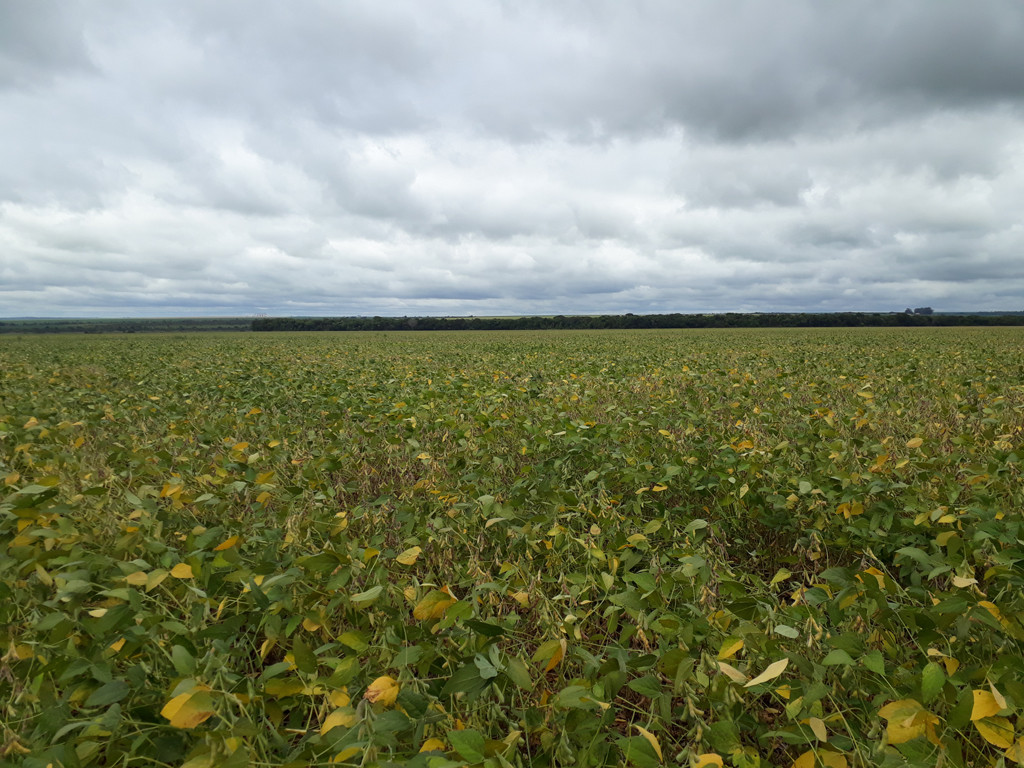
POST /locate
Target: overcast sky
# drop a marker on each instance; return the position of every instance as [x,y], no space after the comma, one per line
[188,157]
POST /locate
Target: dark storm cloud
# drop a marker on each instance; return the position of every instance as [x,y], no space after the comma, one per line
[506,158]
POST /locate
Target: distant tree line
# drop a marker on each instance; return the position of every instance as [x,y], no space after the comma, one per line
[584,322]
[139,325]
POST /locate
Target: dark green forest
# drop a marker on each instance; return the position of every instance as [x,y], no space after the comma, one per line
[583,322]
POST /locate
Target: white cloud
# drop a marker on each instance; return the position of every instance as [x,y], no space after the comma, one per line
[368,158]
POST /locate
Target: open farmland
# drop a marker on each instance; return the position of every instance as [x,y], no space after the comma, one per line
[746,548]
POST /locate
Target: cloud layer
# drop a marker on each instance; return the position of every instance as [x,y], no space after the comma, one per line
[322,158]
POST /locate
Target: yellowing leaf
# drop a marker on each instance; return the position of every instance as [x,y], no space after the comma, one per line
[228,543]
[652,739]
[709,758]
[806,760]
[553,651]
[433,745]
[189,709]
[985,705]
[433,605]
[996,730]
[772,671]
[137,579]
[916,442]
[383,690]
[339,717]
[732,673]
[182,571]
[961,582]
[409,556]
[730,648]
[818,728]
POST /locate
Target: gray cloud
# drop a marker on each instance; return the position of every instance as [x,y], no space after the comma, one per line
[508,158]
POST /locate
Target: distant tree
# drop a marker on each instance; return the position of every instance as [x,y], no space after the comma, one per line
[924,311]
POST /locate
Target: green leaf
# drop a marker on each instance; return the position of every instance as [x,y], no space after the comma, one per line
[364,599]
[469,744]
[838,657]
[787,631]
[874,661]
[638,751]
[304,658]
[183,662]
[933,677]
[648,686]
[486,668]
[107,694]
[466,679]
[517,671]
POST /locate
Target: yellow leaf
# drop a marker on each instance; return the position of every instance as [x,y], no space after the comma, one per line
[263,498]
[309,625]
[998,696]
[189,709]
[818,728]
[916,442]
[346,754]
[339,717]
[1016,752]
[908,719]
[117,645]
[708,758]
[772,671]
[730,648]
[227,543]
[659,488]
[961,582]
[370,553]
[339,698]
[985,705]
[137,579]
[652,739]
[433,745]
[383,690]
[996,730]
[409,556]
[182,571]
[806,760]
[732,673]
[832,759]
[433,605]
